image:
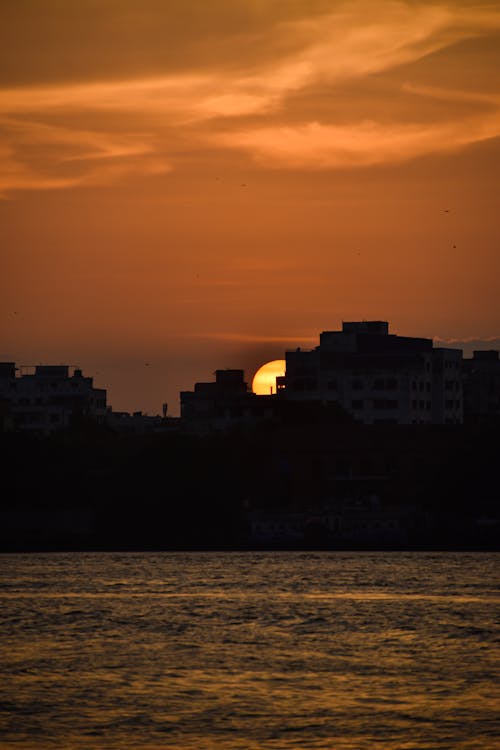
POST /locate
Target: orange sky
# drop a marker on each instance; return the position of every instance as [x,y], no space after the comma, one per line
[198,184]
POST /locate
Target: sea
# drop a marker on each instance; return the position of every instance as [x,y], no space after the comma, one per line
[250,651]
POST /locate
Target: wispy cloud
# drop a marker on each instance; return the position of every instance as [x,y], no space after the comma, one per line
[486,342]
[14,175]
[246,107]
[183,97]
[453,95]
[318,146]
[38,156]
[87,143]
[356,40]
[257,338]
[469,344]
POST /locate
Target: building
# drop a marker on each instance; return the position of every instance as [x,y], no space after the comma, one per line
[276,527]
[138,423]
[49,398]
[447,386]
[482,386]
[223,405]
[378,377]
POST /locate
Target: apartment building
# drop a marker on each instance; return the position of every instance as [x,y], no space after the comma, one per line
[378,377]
[48,397]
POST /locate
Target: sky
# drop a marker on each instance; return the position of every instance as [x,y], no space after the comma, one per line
[199,184]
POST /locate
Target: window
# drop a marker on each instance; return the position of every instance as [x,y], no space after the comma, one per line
[311,384]
[357,385]
[382,403]
[332,385]
[378,384]
[448,403]
[358,404]
[392,383]
[448,385]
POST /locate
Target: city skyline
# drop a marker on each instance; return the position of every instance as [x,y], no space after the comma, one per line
[199,187]
[344,366]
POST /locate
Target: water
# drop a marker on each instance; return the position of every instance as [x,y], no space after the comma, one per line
[253,651]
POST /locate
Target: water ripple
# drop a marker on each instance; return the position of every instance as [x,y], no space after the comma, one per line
[249,651]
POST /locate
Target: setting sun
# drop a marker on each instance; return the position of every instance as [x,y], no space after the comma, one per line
[264,380]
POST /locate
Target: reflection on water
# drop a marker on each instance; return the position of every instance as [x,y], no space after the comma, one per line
[251,651]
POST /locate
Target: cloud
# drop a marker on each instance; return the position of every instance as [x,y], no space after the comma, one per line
[38,156]
[361,38]
[356,40]
[317,146]
[455,95]
[14,175]
[469,344]
[84,144]
[257,338]
[246,106]
[180,98]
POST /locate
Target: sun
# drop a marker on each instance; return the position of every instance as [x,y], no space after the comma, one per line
[264,380]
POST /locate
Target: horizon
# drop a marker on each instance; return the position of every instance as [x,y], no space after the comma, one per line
[467,347]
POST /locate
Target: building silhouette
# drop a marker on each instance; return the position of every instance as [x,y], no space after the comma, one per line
[222,405]
[378,377]
[361,372]
[482,386]
[49,398]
